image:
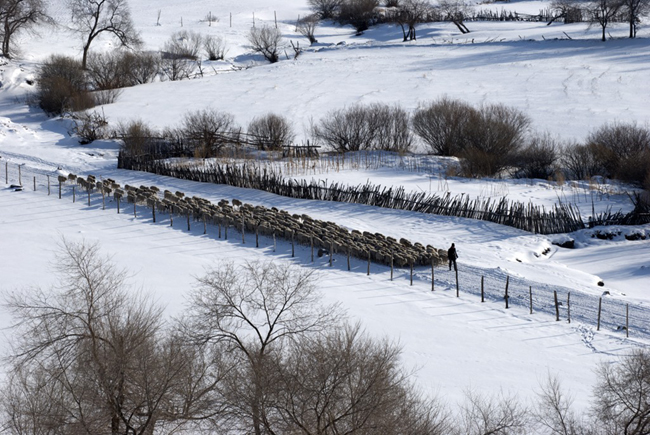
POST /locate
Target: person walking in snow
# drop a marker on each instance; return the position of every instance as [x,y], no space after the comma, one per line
[453,255]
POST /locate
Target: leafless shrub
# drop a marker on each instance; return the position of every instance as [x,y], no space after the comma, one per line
[442,124]
[107,96]
[267,41]
[360,14]
[377,126]
[306,26]
[492,414]
[89,127]
[63,86]
[208,131]
[580,162]
[622,395]
[137,138]
[215,47]
[325,9]
[567,10]
[346,382]
[271,132]
[184,44]
[538,158]
[494,135]
[410,13]
[120,69]
[623,150]
[391,126]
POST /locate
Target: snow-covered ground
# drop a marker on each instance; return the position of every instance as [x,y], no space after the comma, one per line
[568,87]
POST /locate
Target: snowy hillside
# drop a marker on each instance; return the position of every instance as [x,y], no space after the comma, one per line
[567,86]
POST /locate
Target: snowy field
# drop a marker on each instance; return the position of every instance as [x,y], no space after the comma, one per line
[568,87]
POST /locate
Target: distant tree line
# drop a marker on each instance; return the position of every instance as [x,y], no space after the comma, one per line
[255,352]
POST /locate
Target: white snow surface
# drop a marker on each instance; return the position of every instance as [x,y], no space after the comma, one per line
[568,87]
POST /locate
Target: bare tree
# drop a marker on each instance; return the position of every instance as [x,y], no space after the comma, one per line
[345,382]
[634,10]
[271,132]
[492,415]
[346,129]
[409,14]
[603,12]
[91,18]
[622,395]
[568,10]
[455,11]
[267,41]
[95,349]
[554,414]
[253,309]
[306,26]
[17,16]
[325,9]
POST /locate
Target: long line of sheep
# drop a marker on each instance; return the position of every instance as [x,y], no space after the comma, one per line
[270,222]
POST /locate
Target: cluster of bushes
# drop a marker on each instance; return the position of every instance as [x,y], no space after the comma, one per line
[204,133]
[256,351]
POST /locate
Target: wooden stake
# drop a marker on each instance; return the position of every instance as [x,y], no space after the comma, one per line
[205,226]
[482,289]
[88,190]
[274,241]
[257,236]
[153,212]
[557,307]
[6,172]
[59,189]
[293,247]
[20,178]
[627,320]
[530,293]
[568,307]
[118,205]
[331,252]
[276,19]
[48,185]
[243,231]
[34,184]
[73,194]
[135,202]
[368,263]
[225,234]
[171,220]
[600,306]
[391,267]
[231,19]
[188,221]
[348,258]
[433,276]
[103,199]
[311,244]
[506,297]
[457,288]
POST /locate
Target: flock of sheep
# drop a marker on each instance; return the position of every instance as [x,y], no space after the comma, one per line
[325,237]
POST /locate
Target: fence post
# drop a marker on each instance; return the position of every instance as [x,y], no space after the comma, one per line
[600,305]
[20,178]
[368,263]
[627,320]
[433,277]
[103,199]
[257,237]
[411,271]
[73,194]
[482,288]
[118,204]
[88,190]
[225,233]
[188,221]
[171,220]
[530,293]
[243,231]
[274,246]
[6,172]
[506,297]
[557,307]
[293,248]
[153,212]
[48,185]
[348,258]
[391,266]
[331,253]
[568,307]
[34,183]
[59,188]
[457,288]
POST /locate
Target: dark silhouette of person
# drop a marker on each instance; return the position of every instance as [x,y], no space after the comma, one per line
[453,255]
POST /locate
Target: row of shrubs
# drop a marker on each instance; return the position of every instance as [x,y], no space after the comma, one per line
[490,140]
